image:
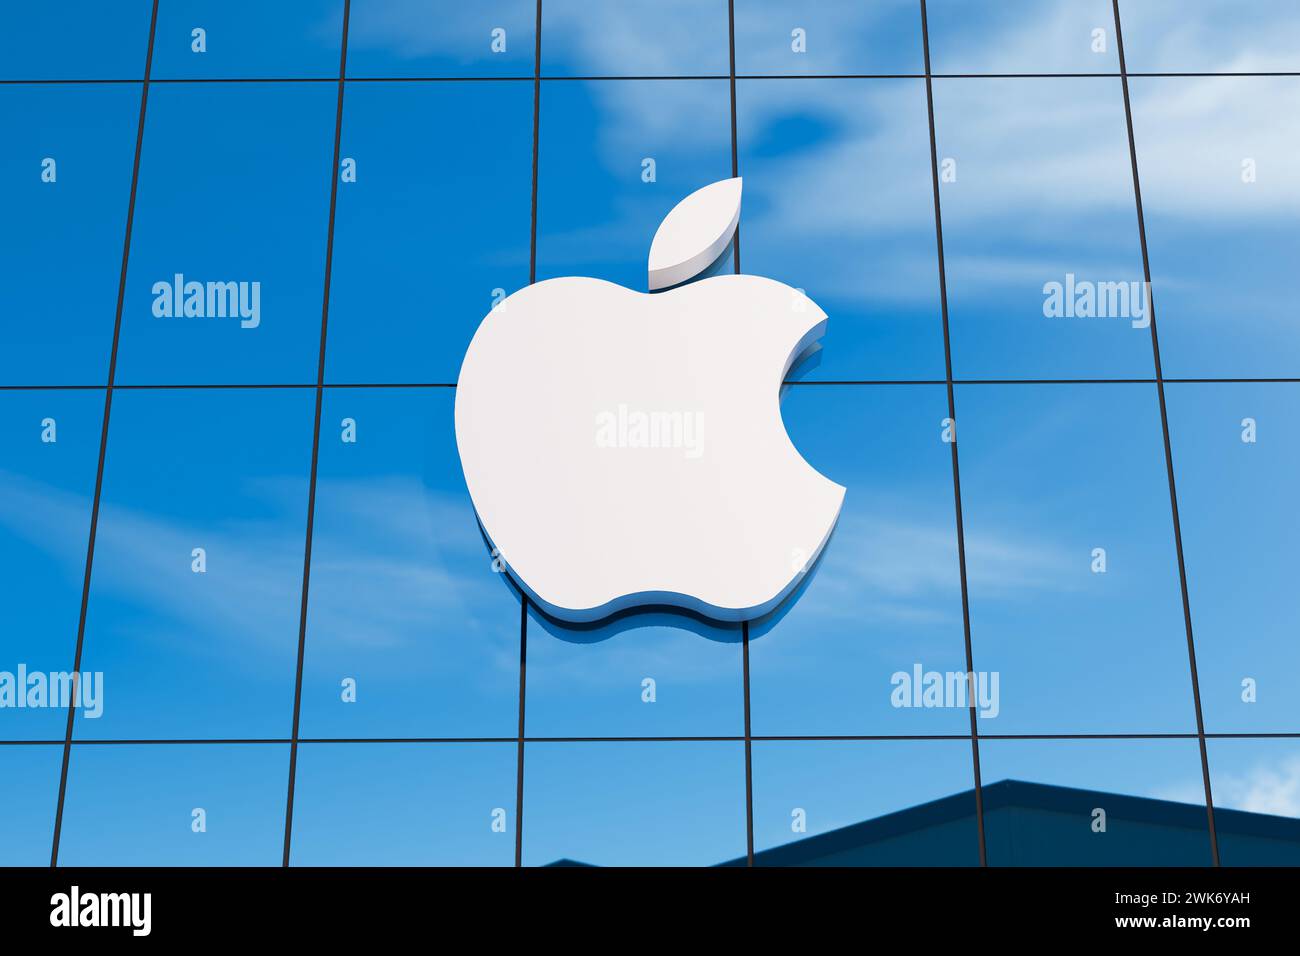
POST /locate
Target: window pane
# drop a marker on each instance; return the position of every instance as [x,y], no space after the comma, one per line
[639,675]
[615,158]
[1213,35]
[635,38]
[389,38]
[65,181]
[1074,589]
[198,563]
[885,597]
[405,805]
[434,229]
[409,632]
[75,40]
[1094,803]
[864,803]
[50,443]
[1040,233]
[634,804]
[175,805]
[27,811]
[839,202]
[1256,786]
[247,38]
[228,247]
[815,37]
[1235,458]
[1220,196]
[1022,36]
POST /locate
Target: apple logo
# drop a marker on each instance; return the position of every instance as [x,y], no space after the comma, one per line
[625,449]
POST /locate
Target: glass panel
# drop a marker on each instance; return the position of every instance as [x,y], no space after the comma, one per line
[75,40]
[388,38]
[1237,465]
[1220,196]
[639,675]
[419,259]
[864,803]
[175,805]
[615,158]
[815,37]
[1074,591]
[634,804]
[1094,803]
[409,632]
[50,443]
[27,811]
[635,38]
[405,805]
[228,247]
[65,181]
[885,598]
[247,38]
[1256,787]
[1022,36]
[197,586]
[1220,36]
[839,202]
[1040,233]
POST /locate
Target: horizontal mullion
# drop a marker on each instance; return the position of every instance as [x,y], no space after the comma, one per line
[737,738]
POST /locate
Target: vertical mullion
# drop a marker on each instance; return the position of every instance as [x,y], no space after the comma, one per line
[103,441]
[952,416]
[519,742]
[523,598]
[744,629]
[1168,448]
[315,440]
[735,157]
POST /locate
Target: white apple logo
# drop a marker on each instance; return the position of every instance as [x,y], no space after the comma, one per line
[626,449]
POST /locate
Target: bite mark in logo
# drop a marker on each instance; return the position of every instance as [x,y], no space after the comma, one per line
[588,528]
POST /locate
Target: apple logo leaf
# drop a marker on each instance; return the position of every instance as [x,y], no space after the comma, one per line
[694,233]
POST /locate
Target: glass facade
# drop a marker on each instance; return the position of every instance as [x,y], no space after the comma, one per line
[246,245]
